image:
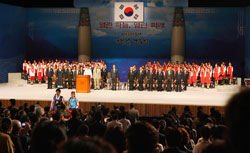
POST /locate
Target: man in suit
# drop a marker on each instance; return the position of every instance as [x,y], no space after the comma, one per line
[80,71]
[140,77]
[169,76]
[131,78]
[69,77]
[178,80]
[185,78]
[114,77]
[150,79]
[97,77]
[49,74]
[133,114]
[159,79]
[135,71]
[59,76]
[104,75]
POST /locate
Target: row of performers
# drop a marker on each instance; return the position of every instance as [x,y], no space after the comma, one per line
[174,76]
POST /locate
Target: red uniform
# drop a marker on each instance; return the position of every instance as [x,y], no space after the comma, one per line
[24,67]
[39,74]
[216,73]
[208,76]
[230,72]
[194,77]
[189,81]
[202,76]
[32,74]
[222,72]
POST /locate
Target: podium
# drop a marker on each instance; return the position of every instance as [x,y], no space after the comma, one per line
[82,83]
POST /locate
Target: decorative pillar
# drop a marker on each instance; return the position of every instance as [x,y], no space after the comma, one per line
[84,35]
[178,40]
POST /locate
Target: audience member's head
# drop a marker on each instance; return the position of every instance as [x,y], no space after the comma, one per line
[47,137]
[132,105]
[217,147]
[173,137]
[6,113]
[205,132]
[123,114]
[218,132]
[237,120]
[75,114]
[6,125]
[13,102]
[116,137]
[114,115]
[16,124]
[87,145]
[141,138]
[82,130]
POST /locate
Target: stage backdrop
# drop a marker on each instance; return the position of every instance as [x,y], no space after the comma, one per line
[212,34]
[12,39]
[247,58]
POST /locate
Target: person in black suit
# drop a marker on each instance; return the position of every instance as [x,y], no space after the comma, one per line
[150,79]
[169,77]
[135,71]
[49,74]
[80,71]
[140,77]
[104,74]
[178,80]
[131,78]
[159,79]
[69,77]
[114,77]
[185,75]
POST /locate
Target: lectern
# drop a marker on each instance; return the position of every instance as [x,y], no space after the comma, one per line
[82,83]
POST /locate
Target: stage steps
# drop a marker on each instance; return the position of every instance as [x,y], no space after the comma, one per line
[15,79]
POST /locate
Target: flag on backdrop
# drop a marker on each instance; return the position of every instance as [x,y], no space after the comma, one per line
[128,11]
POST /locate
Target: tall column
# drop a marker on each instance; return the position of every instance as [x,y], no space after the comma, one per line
[84,35]
[178,41]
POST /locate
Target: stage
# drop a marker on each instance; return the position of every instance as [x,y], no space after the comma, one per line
[194,96]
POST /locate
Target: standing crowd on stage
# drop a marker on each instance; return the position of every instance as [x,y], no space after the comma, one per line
[152,76]
[178,76]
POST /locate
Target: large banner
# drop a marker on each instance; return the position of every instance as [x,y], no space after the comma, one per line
[212,34]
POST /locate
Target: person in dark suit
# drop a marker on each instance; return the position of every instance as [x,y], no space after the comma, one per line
[114,77]
[185,75]
[59,76]
[178,80]
[159,79]
[80,71]
[135,71]
[49,74]
[150,79]
[140,77]
[69,77]
[131,78]
[169,77]
[104,74]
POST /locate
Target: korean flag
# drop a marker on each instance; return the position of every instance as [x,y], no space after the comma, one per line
[128,12]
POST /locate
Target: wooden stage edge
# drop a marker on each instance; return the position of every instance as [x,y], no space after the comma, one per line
[145,109]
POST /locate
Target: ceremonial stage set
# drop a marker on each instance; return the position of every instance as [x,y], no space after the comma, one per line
[148,103]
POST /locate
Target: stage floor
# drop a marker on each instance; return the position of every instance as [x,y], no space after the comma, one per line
[193,96]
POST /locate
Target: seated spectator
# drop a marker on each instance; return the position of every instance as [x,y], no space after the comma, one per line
[142,138]
[237,120]
[74,123]
[161,136]
[125,122]
[87,145]
[6,113]
[47,136]
[216,147]
[218,132]
[116,137]
[16,139]
[97,127]
[82,131]
[185,140]
[12,104]
[1,108]
[204,142]
[173,140]
[114,122]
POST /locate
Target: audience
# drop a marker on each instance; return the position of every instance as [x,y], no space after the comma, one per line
[33,129]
